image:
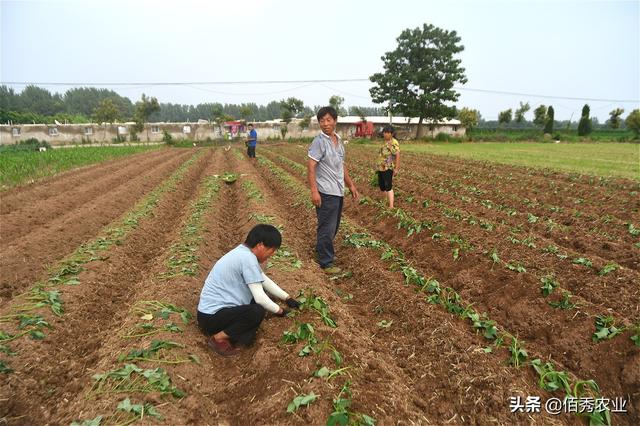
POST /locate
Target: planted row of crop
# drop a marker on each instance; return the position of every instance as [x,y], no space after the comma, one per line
[546,203]
[26,314]
[155,320]
[307,336]
[452,302]
[546,184]
[458,244]
[496,246]
[493,214]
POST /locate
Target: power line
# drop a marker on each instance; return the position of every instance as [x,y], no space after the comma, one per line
[306,82]
[188,83]
[500,92]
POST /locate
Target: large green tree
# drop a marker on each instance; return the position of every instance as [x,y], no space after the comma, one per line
[614,118]
[291,107]
[540,116]
[106,112]
[585,126]
[246,112]
[40,101]
[144,108]
[419,75]
[548,127]
[633,122]
[469,118]
[504,117]
[520,112]
[336,102]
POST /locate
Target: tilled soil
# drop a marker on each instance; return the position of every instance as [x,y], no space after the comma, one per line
[513,300]
[404,360]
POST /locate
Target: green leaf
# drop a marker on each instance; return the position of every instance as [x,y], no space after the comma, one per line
[322,372]
[4,367]
[93,422]
[335,418]
[301,400]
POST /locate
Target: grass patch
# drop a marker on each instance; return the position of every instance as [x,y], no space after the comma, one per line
[19,167]
[600,159]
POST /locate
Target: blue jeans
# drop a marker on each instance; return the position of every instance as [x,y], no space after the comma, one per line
[328,215]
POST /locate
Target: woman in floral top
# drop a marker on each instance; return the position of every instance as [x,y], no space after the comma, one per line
[388,162]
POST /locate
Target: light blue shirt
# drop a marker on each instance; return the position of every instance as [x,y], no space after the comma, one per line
[330,168]
[228,282]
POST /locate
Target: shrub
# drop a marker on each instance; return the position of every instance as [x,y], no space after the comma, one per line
[167,138]
[31,144]
[442,137]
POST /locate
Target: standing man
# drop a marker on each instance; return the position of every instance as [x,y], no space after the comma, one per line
[327,174]
[252,142]
[233,301]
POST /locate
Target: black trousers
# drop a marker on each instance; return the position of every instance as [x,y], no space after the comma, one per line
[240,323]
[328,214]
[385,180]
[251,151]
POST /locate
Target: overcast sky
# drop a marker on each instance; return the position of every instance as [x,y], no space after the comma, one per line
[561,48]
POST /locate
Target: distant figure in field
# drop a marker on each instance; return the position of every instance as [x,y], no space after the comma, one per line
[388,162]
[252,141]
[327,175]
[233,301]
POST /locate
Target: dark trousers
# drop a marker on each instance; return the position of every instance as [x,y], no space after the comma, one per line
[328,215]
[251,151]
[385,180]
[240,322]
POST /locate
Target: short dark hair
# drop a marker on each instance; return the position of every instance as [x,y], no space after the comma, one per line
[265,234]
[327,110]
[388,129]
[250,124]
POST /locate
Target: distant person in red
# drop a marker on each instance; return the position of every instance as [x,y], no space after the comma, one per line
[233,301]
[388,162]
[252,141]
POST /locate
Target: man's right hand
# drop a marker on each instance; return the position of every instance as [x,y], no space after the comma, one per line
[315,198]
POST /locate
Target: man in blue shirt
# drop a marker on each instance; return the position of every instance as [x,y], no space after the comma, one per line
[233,301]
[252,142]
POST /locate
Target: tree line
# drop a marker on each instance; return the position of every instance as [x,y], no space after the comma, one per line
[86,104]
[544,119]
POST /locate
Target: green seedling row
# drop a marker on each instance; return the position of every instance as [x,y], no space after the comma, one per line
[444,296]
[183,258]
[45,295]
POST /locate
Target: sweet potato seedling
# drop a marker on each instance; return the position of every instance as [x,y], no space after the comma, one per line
[550,379]
[548,284]
[300,401]
[158,351]
[517,351]
[136,412]
[564,303]
[608,268]
[132,379]
[605,328]
[635,338]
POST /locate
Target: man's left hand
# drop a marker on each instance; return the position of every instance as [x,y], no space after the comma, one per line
[354,193]
[292,303]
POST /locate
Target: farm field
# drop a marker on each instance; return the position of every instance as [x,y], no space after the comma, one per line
[21,167]
[482,269]
[603,159]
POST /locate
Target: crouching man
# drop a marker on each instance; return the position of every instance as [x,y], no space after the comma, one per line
[233,301]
